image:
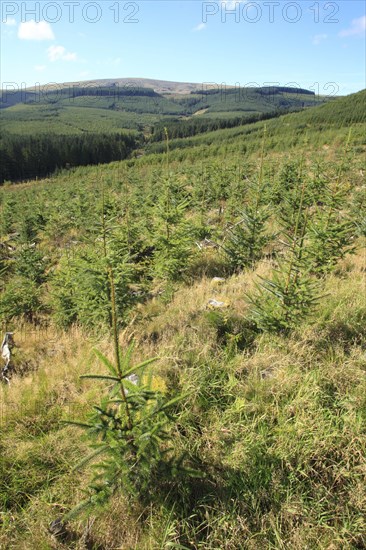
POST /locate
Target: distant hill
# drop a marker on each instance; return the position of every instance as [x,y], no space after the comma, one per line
[111,105]
[80,125]
[137,86]
[159,86]
[346,110]
[317,126]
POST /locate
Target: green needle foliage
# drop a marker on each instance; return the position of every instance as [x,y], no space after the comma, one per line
[293,187]
[283,300]
[247,238]
[81,286]
[172,238]
[172,235]
[25,265]
[275,422]
[331,232]
[330,239]
[131,430]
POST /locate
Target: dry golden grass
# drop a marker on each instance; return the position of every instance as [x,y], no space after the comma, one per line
[299,399]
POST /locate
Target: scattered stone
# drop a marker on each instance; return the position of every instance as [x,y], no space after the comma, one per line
[217,280]
[267,373]
[133,378]
[206,243]
[216,304]
[5,349]
[57,527]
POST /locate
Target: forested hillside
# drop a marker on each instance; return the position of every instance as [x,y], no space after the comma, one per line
[26,157]
[67,125]
[190,368]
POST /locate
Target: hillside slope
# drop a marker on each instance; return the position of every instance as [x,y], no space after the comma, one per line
[191,243]
[316,127]
[145,101]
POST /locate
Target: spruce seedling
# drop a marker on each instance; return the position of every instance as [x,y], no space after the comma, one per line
[172,237]
[291,293]
[129,429]
[246,239]
[331,234]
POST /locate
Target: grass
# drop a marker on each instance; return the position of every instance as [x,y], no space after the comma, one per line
[278,425]
[276,422]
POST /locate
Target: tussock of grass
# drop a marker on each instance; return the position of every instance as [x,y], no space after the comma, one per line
[277,423]
[278,426]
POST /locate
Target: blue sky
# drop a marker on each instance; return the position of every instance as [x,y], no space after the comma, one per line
[315,44]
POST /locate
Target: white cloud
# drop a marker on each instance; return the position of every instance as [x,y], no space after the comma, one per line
[318,38]
[59,53]
[357,28]
[10,21]
[35,31]
[199,27]
[40,68]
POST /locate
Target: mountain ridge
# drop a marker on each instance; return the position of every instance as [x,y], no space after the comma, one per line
[165,88]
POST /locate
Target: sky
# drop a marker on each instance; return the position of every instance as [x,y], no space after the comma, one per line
[318,45]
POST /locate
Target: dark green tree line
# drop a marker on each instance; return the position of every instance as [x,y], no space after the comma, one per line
[28,157]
